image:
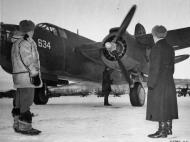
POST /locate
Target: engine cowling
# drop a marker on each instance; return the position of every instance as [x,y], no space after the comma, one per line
[121,47]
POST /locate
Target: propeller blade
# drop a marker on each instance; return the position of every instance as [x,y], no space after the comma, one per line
[125,72]
[112,46]
[125,23]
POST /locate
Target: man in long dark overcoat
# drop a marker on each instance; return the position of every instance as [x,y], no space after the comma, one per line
[162,99]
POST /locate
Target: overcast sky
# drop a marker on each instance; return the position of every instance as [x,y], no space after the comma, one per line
[94,18]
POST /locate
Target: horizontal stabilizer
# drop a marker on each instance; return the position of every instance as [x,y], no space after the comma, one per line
[181,58]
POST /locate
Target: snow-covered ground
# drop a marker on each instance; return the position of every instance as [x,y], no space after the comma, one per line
[85,119]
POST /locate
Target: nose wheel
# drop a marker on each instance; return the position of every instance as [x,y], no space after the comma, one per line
[137,95]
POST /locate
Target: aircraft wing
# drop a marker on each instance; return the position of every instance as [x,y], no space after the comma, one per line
[181,58]
[178,38]
[90,51]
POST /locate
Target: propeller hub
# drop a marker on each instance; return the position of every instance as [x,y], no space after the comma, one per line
[113,48]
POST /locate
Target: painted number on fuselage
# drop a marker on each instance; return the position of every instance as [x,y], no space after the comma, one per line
[44,44]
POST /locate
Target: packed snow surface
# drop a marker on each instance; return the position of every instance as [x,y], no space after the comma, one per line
[85,119]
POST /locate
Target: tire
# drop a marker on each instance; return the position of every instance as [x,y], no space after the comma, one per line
[137,95]
[41,96]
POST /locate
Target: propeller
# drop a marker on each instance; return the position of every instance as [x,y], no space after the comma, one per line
[112,46]
[125,73]
[125,23]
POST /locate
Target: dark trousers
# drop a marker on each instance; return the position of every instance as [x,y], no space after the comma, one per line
[24,99]
[106,95]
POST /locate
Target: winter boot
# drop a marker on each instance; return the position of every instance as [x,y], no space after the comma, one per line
[25,124]
[157,132]
[162,131]
[169,127]
[15,113]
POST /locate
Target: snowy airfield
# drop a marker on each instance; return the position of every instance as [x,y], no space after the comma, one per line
[85,119]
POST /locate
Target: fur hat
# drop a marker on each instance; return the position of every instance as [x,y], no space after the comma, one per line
[26,26]
[159,31]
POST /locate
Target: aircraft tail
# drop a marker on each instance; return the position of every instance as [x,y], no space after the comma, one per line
[139,30]
[7,31]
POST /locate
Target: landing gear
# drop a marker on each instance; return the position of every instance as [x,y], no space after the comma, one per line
[137,95]
[41,95]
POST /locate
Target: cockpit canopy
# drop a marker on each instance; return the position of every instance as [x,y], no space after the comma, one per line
[56,31]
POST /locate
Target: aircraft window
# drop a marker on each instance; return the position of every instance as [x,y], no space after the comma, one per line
[62,33]
[42,26]
[53,30]
[49,28]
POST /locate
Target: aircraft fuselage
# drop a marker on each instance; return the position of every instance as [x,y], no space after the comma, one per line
[58,57]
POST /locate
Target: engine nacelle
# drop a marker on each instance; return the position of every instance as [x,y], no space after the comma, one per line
[121,49]
[129,50]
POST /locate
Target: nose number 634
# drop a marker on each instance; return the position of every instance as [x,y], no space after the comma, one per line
[44,44]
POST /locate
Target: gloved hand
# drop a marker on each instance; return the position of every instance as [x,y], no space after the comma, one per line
[33,73]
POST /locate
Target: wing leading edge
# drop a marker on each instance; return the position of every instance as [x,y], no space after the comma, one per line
[178,38]
[91,52]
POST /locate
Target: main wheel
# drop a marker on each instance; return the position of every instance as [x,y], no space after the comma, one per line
[41,96]
[137,95]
